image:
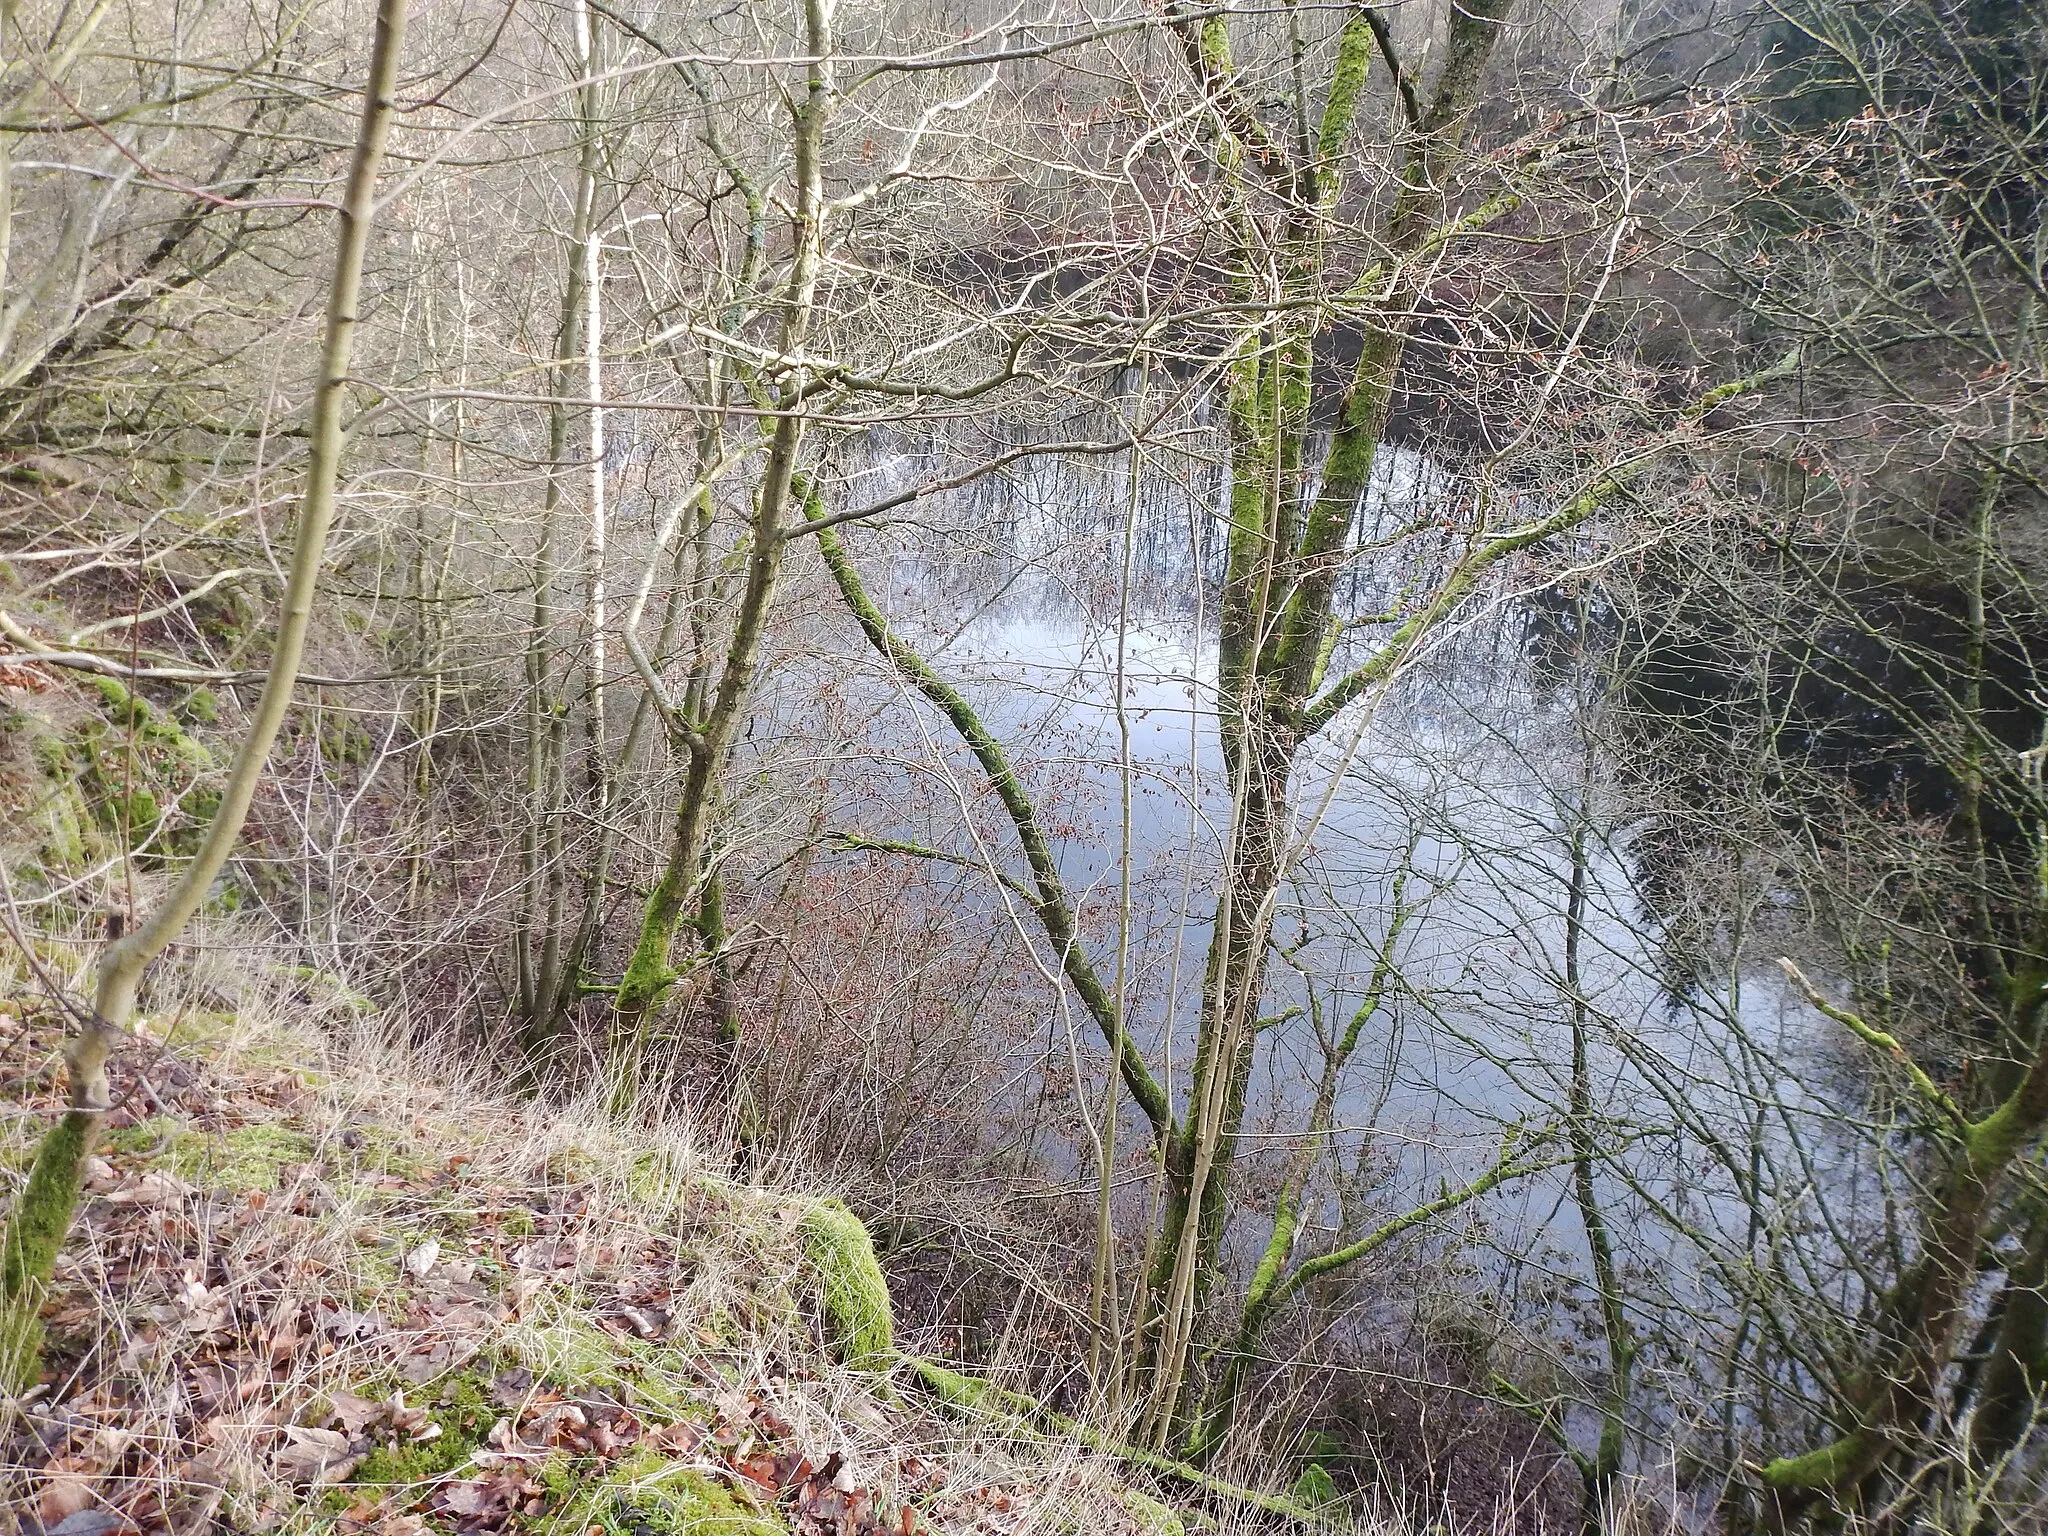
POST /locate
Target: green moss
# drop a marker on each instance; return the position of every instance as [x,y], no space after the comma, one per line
[1347,80]
[384,1150]
[133,817]
[250,1157]
[571,1350]
[53,757]
[1816,1469]
[953,1389]
[1992,1142]
[852,1292]
[62,820]
[117,703]
[130,711]
[326,987]
[138,773]
[55,812]
[200,706]
[571,1165]
[648,1496]
[558,1476]
[343,739]
[661,1179]
[465,1413]
[1315,1487]
[35,1233]
[1153,1517]
[648,974]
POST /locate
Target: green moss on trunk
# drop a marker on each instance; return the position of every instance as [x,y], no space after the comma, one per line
[1819,1469]
[35,1233]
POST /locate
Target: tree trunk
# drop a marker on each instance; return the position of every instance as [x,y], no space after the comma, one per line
[43,1211]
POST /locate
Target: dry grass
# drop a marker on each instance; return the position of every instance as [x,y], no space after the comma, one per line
[319,1281]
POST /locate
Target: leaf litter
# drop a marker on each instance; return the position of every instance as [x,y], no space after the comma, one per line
[243,1358]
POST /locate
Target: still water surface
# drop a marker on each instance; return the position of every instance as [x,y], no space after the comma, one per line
[1058,589]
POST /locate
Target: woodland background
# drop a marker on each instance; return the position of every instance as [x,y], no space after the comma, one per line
[1340,704]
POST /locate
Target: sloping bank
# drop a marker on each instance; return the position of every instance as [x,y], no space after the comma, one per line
[367,1297]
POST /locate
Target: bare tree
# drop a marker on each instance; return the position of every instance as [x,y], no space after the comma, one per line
[42,1214]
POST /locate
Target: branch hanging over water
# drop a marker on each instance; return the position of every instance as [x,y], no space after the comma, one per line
[1054,908]
[1466,573]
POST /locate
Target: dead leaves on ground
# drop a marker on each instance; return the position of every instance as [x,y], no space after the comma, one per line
[220,1359]
[739,1439]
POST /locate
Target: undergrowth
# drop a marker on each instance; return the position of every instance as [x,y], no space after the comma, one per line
[319,1285]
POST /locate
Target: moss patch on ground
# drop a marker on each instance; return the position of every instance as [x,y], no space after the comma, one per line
[645,1494]
[1153,1517]
[248,1158]
[464,1415]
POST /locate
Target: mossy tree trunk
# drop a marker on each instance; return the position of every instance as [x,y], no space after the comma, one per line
[1240,1354]
[1913,1340]
[44,1209]
[1285,550]
[2013,1387]
[705,723]
[1600,1469]
[1979,1164]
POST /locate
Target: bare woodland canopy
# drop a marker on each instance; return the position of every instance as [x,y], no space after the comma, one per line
[1345,700]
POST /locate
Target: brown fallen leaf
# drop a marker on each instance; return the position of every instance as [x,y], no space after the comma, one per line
[63,1496]
[421,1259]
[156,1186]
[354,1414]
[314,1455]
[202,1310]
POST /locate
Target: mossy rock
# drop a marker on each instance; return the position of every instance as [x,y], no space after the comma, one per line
[143,777]
[128,710]
[645,1495]
[246,1159]
[852,1293]
[62,832]
[63,827]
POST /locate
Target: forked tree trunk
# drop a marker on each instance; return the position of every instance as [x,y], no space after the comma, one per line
[1285,551]
[706,737]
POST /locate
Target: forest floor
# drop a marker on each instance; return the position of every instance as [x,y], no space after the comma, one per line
[314,1285]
